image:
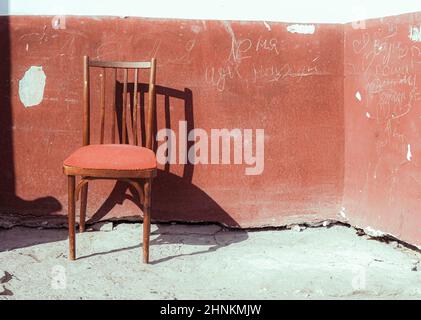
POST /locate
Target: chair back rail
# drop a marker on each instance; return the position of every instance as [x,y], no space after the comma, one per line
[132,68]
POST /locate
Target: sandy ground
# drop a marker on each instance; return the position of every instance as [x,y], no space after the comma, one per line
[206,262]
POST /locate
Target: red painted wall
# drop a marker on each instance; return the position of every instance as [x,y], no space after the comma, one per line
[217,75]
[382,128]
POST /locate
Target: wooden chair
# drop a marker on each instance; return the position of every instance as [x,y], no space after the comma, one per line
[130,163]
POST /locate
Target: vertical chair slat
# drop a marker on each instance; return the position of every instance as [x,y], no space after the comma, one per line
[86,102]
[102,104]
[151,111]
[114,115]
[135,107]
[123,115]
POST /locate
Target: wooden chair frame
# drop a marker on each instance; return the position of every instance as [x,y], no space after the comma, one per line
[141,180]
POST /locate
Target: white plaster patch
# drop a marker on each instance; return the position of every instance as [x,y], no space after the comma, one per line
[358,95]
[58,22]
[367,115]
[301,28]
[415,33]
[408,153]
[31,86]
[267,25]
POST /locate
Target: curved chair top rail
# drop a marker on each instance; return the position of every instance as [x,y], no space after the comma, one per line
[120,64]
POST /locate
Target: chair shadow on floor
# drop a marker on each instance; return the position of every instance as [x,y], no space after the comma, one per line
[192,234]
[208,240]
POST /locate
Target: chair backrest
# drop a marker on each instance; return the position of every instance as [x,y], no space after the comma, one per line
[126,68]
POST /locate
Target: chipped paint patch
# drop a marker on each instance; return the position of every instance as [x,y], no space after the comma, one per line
[228,27]
[373,232]
[342,213]
[31,86]
[415,33]
[358,96]
[267,25]
[408,153]
[367,115]
[301,28]
[196,29]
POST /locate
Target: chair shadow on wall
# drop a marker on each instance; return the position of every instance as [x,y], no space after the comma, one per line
[14,209]
[176,192]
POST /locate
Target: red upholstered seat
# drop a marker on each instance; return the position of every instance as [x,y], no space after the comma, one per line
[112,157]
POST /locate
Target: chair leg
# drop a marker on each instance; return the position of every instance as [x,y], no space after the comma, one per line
[146,219]
[83,203]
[71,217]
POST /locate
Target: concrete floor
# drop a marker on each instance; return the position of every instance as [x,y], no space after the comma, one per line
[206,262]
